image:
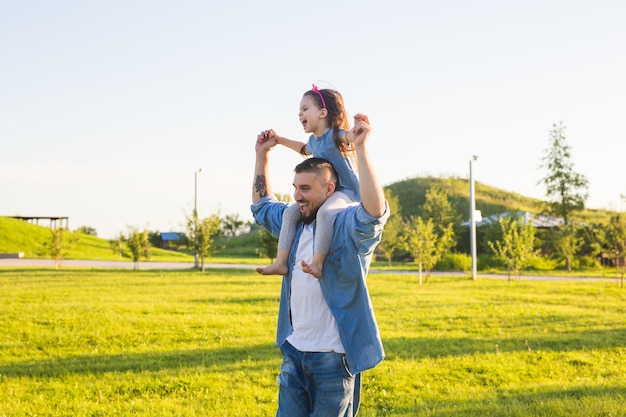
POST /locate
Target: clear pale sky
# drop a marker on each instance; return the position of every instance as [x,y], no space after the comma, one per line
[107,109]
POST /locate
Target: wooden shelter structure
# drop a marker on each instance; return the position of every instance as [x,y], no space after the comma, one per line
[55,221]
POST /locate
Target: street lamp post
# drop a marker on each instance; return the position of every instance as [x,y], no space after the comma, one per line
[472,217]
[195,215]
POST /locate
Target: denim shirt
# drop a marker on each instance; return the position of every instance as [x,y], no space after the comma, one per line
[343,282]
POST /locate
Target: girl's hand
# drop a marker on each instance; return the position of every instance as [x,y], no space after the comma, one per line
[274,136]
[361,129]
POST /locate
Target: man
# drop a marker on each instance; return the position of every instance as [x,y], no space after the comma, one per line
[327,330]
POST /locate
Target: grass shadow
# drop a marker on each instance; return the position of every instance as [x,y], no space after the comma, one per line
[417,347]
[605,401]
[227,359]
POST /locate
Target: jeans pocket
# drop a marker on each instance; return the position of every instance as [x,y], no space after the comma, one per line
[345,368]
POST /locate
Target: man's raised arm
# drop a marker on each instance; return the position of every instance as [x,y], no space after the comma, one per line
[261,183]
[372,195]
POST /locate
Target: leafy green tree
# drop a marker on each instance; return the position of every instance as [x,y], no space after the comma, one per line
[202,234]
[516,248]
[437,207]
[87,230]
[392,239]
[433,239]
[117,245]
[154,237]
[567,243]
[138,244]
[594,240]
[233,225]
[209,231]
[268,244]
[59,244]
[616,244]
[425,244]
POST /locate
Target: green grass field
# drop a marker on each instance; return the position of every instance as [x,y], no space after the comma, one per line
[78,342]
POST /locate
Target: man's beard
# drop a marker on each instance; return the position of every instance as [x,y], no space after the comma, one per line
[308,218]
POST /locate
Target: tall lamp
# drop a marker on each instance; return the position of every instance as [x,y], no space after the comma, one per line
[473,217]
[195,217]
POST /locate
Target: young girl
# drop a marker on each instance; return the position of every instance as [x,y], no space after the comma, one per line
[322,114]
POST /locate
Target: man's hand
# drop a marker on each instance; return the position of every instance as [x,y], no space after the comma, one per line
[265,141]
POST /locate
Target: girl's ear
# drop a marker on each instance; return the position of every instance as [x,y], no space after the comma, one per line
[323,113]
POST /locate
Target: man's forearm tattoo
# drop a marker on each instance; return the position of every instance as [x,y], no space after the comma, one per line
[260,186]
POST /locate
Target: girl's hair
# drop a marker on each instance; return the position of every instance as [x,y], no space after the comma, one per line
[337,116]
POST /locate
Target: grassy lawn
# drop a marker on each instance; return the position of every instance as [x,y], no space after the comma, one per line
[182,343]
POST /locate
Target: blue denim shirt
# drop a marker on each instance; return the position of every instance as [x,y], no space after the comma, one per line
[343,283]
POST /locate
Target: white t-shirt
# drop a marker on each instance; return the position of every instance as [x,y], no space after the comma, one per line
[314,327]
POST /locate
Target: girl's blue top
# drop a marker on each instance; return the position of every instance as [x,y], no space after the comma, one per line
[324,147]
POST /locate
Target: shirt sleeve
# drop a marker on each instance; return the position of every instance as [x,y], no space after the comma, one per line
[268,213]
[364,230]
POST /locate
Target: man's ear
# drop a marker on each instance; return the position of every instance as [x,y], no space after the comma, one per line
[330,188]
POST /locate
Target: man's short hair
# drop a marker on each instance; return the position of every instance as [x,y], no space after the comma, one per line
[318,166]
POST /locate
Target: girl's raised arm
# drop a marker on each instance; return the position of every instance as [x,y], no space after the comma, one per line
[295,145]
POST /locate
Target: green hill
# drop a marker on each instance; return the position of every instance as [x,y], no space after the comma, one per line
[20,236]
[489,200]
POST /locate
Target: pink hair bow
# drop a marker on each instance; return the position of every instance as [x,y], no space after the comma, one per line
[317,90]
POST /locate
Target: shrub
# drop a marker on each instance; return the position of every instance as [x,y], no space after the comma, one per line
[486,262]
[588,262]
[540,263]
[454,262]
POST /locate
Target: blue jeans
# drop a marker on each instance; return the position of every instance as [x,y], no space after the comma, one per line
[315,384]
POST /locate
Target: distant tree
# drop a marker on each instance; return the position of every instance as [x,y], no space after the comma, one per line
[59,244]
[268,244]
[437,207]
[117,245]
[490,232]
[192,241]
[154,237]
[210,230]
[516,248]
[566,189]
[616,244]
[392,239]
[567,243]
[202,234]
[425,244]
[138,244]
[594,240]
[233,225]
[87,230]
